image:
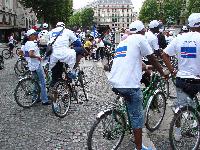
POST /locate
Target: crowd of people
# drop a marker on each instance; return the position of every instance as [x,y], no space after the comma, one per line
[126,73]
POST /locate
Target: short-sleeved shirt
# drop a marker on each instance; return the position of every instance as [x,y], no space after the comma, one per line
[152,40]
[126,70]
[88,44]
[33,63]
[63,41]
[11,40]
[187,49]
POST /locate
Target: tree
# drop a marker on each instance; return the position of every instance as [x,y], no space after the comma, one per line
[75,20]
[193,6]
[171,11]
[87,17]
[51,11]
[149,11]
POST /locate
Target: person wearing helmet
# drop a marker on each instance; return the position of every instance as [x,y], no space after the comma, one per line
[185,29]
[126,73]
[62,53]
[187,49]
[43,38]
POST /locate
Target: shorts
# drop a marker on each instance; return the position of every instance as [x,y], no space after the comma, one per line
[134,102]
[79,50]
[11,45]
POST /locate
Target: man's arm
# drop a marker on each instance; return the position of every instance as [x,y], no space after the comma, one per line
[166,60]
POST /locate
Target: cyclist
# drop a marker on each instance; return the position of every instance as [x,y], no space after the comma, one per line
[187,49]
[11,42]
[34,63]
[152,38]
[62,53]
[126,74]
[43,38]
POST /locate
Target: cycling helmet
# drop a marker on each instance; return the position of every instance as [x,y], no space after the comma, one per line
[45,25]
[60,24]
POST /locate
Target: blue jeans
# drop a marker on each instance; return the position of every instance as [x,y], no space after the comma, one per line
[39,74]
[134,102]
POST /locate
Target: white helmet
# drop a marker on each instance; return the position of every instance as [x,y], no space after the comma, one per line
[45,25]
[185,28]
[60,24]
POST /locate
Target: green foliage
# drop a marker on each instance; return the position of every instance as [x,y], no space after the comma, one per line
[193,6]
[50,11]
[82,18]
[171,11]
[149,11]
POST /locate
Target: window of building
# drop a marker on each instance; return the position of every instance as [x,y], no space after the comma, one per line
[127,10]
[122,19]
[122,25]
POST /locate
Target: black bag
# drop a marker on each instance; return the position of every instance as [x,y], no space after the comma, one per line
[49,49]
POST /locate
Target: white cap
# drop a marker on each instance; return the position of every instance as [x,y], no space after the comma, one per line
[154,24]
[171,32]
[60,24]
[184,28]
[194,20]
[31,32]
[45,25]
[136,26]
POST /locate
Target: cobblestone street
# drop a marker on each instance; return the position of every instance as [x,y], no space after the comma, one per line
[38,128]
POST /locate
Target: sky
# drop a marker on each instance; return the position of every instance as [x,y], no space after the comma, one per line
[81,3]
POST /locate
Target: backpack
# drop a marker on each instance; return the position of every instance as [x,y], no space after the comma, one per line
[44,37]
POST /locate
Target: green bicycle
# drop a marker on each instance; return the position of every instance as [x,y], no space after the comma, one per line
[110,125]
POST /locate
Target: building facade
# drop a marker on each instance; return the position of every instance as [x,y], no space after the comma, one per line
[14,18]
[115,13]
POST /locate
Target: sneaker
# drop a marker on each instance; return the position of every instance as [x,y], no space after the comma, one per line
[72,74]
[177,134]
[46,103]
[145,148]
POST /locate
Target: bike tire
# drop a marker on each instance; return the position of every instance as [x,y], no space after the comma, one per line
[176,116]
[6,53]
[1,63]
[20,67]
[153,106]
[62,97]
[31,88]
[17,51]
[82,84]
[108,134]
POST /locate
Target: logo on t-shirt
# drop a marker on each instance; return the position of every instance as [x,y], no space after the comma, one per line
[55,34]
[188,52]
[121,52]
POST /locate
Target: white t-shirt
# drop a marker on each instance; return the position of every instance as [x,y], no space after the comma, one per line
[152,40]
[63,41]
[169,39]
[99,43]
[187,49]
[43,37]
[33,63]
[11,40]
[126,70]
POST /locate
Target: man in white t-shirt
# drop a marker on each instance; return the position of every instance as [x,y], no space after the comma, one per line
[187,49]
[34,63]
[126,74]
[62,53]
[152,39]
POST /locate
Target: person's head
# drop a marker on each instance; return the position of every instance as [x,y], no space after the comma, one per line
[171,33]
[137,27]
[194,22]
[91,38]
[60,24]
[154,26]
[45,26]
[32,35]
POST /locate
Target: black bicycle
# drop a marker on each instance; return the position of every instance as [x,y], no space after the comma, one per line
[1,62]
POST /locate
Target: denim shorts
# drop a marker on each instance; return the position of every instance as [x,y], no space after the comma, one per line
[134,102]
[79,50]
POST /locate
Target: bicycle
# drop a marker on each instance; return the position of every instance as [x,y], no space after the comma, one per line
[115,120]
[188,118]
[27,91]
[21,66]
[67,89]
[7,53]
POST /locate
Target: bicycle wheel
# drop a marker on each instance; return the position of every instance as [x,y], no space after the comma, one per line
[27,92]
[165,87]
[155,111]
[6,53]
[1,63]
[62,99]
[21,67]
[189,136]
[17,51]
[107,131]
[81,82]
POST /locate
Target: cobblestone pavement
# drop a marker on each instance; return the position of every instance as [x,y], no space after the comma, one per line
[38,128]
